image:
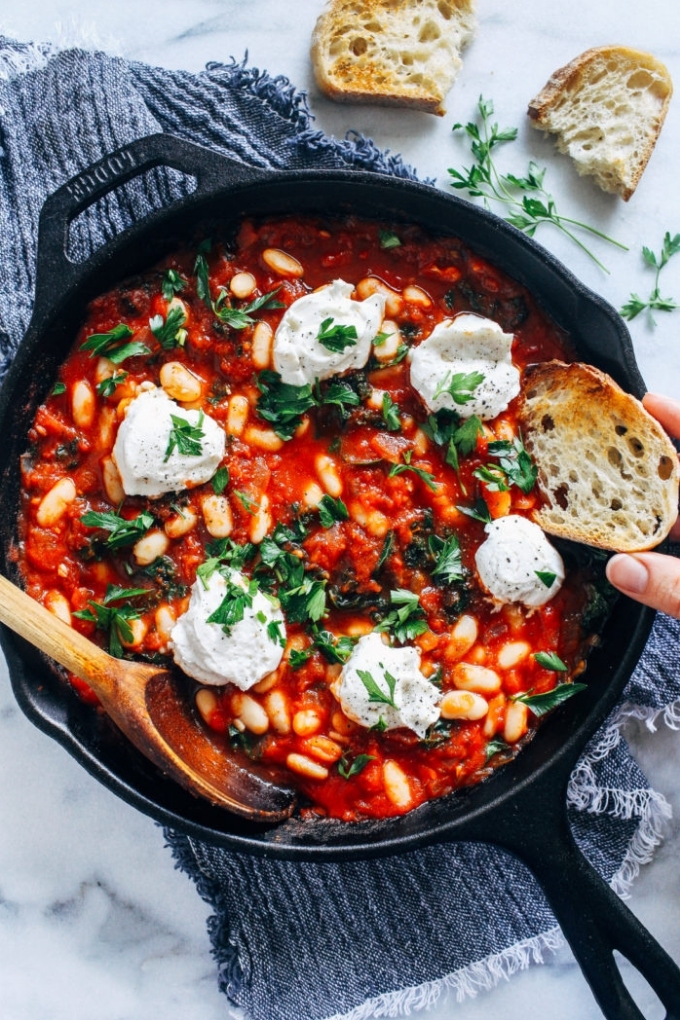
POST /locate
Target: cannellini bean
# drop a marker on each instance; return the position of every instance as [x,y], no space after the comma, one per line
[276,705]
[327,471]
[250,712]
[375,522]
[305,766]
[217,516]
[206,703]
[416,296]
[463,705]
[166,619]
[394,303]
[323,749]
[396,784]
[387,350]
[106,420]
[281,263]
[468,677]
[56,502]
[262,439]
[267,682]
[152,545]
[83,404]
[263,337]
[463,637]
[176,302]
[237,414]
[504,429]
[59,606]
[341,723]
[306,722]
[512,653]
[104,369]
[375,399]
[122,406]
[261,522]
[181,524]
[359,627]
[494,716]
[179,383]
[515,722]
[138,630]
[312,494]
[242,285]
[421,443]
[113,484]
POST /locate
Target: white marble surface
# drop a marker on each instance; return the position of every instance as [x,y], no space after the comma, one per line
[94,922]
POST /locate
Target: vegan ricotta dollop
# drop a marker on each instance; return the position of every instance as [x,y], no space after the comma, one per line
[144,437]
[392,688]
[466,346]
[517,563]
[300,357]
[241,657]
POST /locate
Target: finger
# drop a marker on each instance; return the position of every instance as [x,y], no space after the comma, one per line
[650,578]
[665,410]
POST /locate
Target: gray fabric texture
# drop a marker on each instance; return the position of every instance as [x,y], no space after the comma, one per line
[302,941]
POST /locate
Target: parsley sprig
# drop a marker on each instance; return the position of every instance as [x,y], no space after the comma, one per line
[122,532]
[332,510]
[241,318]
[536,205]
[540,704]
[283,405]
[169,331]
[376,694]
[460,386]
[173,283]
[515,462]
[107,387]
[426,476]
[114,619]
[336,337]
[236,600]
[185,437]
[448,566]
[112,344]
[635,304]
[407,620]
[352,767]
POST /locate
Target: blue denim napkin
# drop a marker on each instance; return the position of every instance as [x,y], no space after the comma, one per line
[285,934]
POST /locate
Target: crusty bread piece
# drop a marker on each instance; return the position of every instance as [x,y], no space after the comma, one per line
[607,108]
[391,52]
[607,471]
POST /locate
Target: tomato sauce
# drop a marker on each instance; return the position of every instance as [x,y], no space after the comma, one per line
[349,451]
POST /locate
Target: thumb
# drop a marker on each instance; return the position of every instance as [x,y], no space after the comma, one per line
[650,578]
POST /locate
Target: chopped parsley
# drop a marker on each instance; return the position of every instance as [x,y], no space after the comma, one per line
[448,563]
[390,413]
[282,404]
[332,510]
[337,650]
[388,239]
[107,387]
[515,462]
[248,504]
[426,476]
[220,480]
[376,695]
[222,552]
[168,331]
[479,511]
[549,660]
[112,344]
[173,283]
[241,318]
[274,632]
[231,609]
[114,619]
[185,437]
[202,273]
[121,531]
[546,577]
[495,747]
[337,337]
[540,704]
[492,477]
[58,389]
[460,386]
[407,620]
[352,767]
[386,550]
[298,657]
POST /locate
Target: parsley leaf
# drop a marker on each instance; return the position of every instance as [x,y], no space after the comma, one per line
[282,404]
[386,550]
[202,273]
[426,476]
[173,283]
[224,551]
[248,504]
[336,650]
[241,318]
[220,480]
[388,239]
[336,338]
[58,389]
[114,619]
[376,695]
[449,565]
[338,393]
[460,386]
[515,462]
[479,511]
[540,704]
[495,747]
[492,478]
[635,304]
[275,634]
[298,657]
[111,344]
[390,413]
[549,660]
[231,609]
[121,531]
[107,387]
[408,620]
[168,332]
[185,437]
[546,577]
[348,768]
[332,510]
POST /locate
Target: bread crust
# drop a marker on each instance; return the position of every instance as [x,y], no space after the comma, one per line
[607,472]
[358,58]
[619,173]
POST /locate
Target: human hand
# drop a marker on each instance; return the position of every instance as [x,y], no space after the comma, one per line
[649,577]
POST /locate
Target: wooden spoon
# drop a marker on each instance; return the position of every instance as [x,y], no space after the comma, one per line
[147,704]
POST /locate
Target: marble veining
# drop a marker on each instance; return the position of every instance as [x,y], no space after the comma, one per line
[95,923]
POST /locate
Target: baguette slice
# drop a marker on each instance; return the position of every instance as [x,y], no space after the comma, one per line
[607,108]
[391,52]
[607,471]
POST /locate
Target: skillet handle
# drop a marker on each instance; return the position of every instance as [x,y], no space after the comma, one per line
[593,919]
[55,271]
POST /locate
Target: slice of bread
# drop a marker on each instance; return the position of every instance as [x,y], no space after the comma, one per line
[391,52]
[607,108]
[607,471]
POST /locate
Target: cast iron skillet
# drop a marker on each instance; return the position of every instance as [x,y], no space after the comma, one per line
[522,807]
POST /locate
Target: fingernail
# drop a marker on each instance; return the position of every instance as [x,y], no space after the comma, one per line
[628,574]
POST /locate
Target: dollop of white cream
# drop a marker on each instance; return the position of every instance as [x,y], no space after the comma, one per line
[243,656]
[141,446]
[414,696]
[510,559]
[465,345]
[300,357]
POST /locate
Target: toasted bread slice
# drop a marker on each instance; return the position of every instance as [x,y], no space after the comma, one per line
[391,52]
[607,108]
[607,471]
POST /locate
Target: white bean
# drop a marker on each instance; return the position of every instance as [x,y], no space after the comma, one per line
[113,483]
[306,722]
[387,350]
[59,606]
[396,784]
[179,383]
[206,703]
[416,296]
[152,545]
[323,749]
[512,653]
[276,705]
[83,404]
[250,712]
[305,766]
[56,502]
[263,337]
[312,494]
[217,515]
[468,677]
[261,522]
[166,619]
[181,524]
[242,285]
[281,263]
[262,439]
[237,414]
[515,722]
[463,705]
[327,471]
[463,637]
[394,302]
[106,420]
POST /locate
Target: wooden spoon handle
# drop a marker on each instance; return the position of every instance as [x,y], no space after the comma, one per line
[26,617]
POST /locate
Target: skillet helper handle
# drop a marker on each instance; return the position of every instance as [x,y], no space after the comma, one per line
[210,169]
[593,919]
